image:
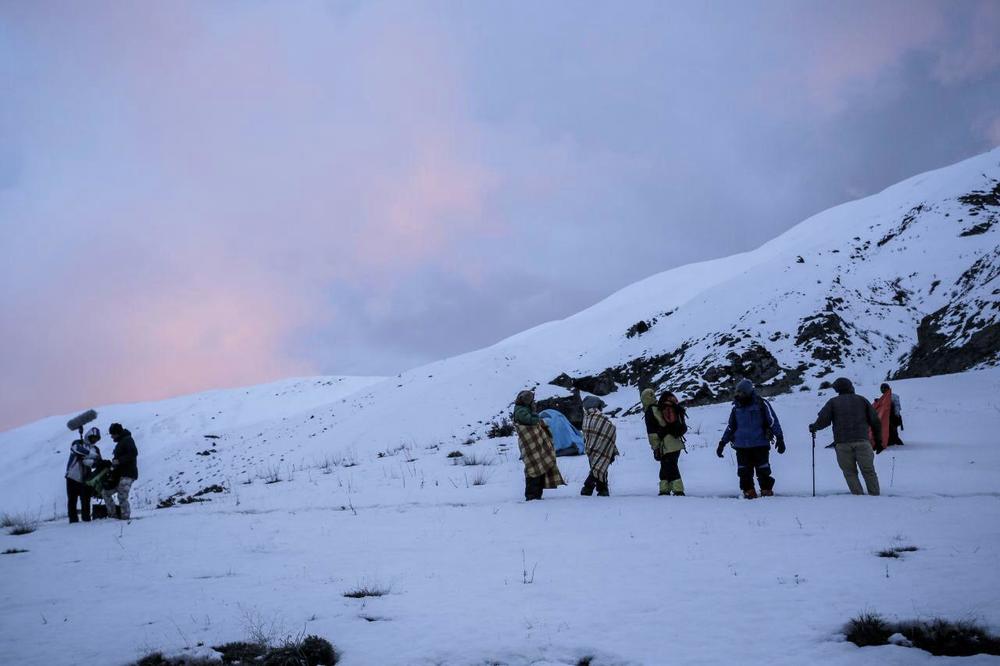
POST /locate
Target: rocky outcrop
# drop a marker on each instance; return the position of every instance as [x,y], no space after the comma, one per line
[965,333]
[601,384]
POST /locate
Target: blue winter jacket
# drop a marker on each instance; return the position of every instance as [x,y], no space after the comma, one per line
[752,425]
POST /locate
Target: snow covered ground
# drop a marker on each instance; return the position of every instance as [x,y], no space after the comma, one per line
[477,576]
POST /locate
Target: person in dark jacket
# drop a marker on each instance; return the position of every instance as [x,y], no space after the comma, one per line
[853,419]
[83,455]
[752,425]
[126,468]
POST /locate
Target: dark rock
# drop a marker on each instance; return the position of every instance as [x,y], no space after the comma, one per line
[907,220]
[936,354]
[637,328]
[563,380]
[601,384]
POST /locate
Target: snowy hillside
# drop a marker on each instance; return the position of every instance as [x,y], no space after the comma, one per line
[902,283]
[177,435]
[473,575]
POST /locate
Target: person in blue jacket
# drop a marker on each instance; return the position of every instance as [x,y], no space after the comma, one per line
[752,426]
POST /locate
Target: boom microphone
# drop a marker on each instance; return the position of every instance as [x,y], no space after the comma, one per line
[80,420]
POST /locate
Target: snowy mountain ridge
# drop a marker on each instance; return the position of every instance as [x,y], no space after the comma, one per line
[898,284]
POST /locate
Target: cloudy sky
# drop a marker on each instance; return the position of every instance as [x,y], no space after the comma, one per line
[207,194]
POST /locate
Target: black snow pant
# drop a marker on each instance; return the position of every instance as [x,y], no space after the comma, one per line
[533,487]
[751,460]
[77,491]
[591,483]
[894,423]
[669,471]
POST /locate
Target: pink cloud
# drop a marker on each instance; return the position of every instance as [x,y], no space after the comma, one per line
[213,180]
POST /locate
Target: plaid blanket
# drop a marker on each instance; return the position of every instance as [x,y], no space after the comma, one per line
[539,454]
[599,443]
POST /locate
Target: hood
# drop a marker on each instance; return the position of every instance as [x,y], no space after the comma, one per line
[648,397]
[843,386]
[593,402]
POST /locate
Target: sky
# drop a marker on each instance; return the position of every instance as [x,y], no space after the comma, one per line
[200,195]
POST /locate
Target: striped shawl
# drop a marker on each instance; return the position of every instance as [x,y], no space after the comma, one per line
[599,443]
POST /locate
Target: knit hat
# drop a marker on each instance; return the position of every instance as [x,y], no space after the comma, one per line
[115,429]
[843,385]
[593,402]
[525,398]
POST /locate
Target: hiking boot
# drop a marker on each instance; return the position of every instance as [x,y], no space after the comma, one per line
[664,487]
[603,493]
[750,493]
[766,493]
[678,493]
[587,490]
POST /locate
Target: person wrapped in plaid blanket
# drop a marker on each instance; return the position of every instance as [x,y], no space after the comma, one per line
[599,443]
[537,450]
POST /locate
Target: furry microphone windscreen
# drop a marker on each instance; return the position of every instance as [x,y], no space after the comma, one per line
[81,420]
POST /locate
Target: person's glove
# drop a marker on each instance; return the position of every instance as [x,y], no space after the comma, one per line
[720,448]
[878,450]
[812,428]
[780,445]
[656,455]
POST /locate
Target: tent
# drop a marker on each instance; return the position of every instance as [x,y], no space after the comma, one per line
[567,439]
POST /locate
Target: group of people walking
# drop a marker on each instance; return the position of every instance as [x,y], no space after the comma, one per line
[860,431]
[90,475]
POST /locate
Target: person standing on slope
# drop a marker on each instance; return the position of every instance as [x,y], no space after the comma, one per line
[752,425]
[537,450]
[83,455]
[854,421]
[599,436]
[890,416]
[124,459]
[665,439]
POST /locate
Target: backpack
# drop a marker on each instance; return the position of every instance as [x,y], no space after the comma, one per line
[676,427]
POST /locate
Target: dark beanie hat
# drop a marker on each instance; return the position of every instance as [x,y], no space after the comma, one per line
[115,429]
[843,385]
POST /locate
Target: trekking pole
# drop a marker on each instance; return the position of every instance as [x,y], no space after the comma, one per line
[814,464]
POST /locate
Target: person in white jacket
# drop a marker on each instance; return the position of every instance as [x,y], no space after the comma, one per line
[83,454]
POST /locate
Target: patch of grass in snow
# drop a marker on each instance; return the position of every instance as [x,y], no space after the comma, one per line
[868,629]
[944,638]
[479,478]
[474,459]
[240,651]
[500,428]
[13,551]
[895,551]
[157,659]
[454,454]
[308,651]
[940,637]
[393,451]
[20,523]
[368,589]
